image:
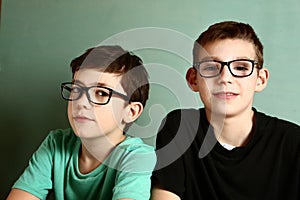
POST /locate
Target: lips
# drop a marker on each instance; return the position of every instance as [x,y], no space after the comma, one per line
[225,95]
[82,118]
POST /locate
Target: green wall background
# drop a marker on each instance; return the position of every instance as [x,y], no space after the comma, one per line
[39,38]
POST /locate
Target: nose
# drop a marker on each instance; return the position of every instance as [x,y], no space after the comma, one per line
[225,75]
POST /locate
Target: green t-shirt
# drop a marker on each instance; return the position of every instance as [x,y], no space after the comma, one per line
[54,166]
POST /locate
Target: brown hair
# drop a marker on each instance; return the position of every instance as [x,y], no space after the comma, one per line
[230,30]
[114,59]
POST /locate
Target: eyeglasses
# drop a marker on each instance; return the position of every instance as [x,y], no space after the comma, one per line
[238,67]
[96,94]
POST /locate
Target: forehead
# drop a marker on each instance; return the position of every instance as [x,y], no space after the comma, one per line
[91,76]
[227,49]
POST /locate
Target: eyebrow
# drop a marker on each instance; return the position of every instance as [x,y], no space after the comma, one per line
[216,58]
[94,84]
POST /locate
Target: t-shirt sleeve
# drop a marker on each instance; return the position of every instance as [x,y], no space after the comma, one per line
[169,170]
[36,178]
[133,179]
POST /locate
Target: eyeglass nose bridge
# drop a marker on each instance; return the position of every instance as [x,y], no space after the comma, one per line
[227,64]
[84,90]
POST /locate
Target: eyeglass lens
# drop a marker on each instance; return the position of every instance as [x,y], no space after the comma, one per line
[237,68]
[95,94]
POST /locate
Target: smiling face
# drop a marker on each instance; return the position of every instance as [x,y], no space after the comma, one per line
[226,94]
[89,120]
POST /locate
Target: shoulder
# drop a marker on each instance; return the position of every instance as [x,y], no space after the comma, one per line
[179,128]
[133,155]
[276,124]
[61,137]
[131,144]
[61,133]
[188,112]
[278,128]
[279,135]
[180,118]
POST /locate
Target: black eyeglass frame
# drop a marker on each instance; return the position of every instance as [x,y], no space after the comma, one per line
[253,62]
[86,89]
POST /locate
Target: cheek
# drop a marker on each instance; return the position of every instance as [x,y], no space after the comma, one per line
[70,115]
[205,87]
[109,114]
[117,111]
[204,92]
[69,110]
[249,86]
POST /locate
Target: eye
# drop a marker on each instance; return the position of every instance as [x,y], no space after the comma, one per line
[209,66]
[75,89]
[100,92]
[242,67]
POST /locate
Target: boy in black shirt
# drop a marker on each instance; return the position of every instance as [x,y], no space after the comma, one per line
[227,150]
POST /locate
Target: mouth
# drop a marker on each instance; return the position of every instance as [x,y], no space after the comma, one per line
[82,119]
[225,95]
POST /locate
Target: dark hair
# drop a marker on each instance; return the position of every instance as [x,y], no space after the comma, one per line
[114,59]
[230,30]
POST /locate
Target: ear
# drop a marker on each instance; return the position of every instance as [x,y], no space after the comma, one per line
[191,79]
[132,111]
[262,80]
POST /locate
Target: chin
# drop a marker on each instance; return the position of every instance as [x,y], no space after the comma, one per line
[87,132]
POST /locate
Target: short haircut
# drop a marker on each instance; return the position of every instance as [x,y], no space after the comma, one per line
[114,59]
[230,30]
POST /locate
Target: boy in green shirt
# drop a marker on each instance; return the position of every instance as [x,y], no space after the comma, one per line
[95,159]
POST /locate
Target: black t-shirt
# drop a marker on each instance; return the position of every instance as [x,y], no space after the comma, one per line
[193,165]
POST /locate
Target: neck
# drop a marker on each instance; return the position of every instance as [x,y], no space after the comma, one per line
[233,130]
[94,151]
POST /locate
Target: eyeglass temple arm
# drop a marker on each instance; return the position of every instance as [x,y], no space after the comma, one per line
[125,97]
